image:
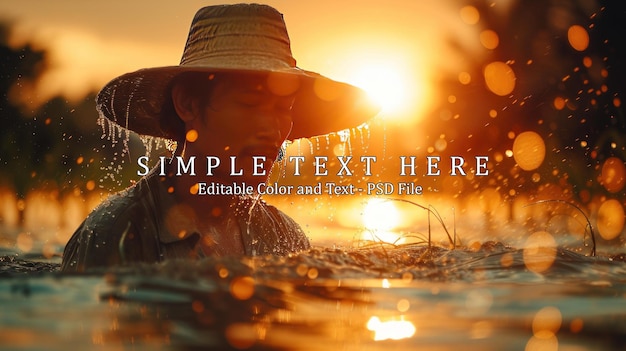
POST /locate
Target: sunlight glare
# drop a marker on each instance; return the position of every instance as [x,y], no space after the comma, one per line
[380,214]
[384,84]
[389,83]
[379,218]
[390,330]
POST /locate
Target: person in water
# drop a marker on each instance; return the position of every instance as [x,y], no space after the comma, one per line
[237,94]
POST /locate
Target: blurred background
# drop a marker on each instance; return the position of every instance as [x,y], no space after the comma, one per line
[537,86]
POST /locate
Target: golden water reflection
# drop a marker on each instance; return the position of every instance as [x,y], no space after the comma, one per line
[390,329]
[478,216]
[349,314]
[44,219]
[327,299]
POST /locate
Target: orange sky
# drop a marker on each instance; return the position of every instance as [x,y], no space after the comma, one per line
[394,49]
[364,42]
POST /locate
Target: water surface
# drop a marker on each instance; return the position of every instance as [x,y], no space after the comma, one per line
[410,297]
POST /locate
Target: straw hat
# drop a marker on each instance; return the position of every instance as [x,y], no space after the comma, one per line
[245,38]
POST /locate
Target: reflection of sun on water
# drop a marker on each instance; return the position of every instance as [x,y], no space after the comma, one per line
[391,329]
[379,218]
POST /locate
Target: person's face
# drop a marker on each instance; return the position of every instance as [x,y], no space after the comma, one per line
[242,118]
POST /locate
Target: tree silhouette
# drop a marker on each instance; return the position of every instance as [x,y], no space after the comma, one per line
[17,148]
[59,145]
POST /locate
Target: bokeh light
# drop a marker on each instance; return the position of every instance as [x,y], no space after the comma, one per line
[500,78]
[282,84]
[539,252]
[24,242]
[547,322]
[241,336]
[489,39]
[326,90]
[613,175]
[469,14]
[192,135]
[242,288]
[559,103]
[578,37]
[529,150]
[610,219]
[465,78]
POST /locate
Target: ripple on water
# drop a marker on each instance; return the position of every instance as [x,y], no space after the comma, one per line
[411,296]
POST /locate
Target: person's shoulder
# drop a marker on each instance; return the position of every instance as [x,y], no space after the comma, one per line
[130,205]
[277,212]
[96,242]
[114,207]
[297,238]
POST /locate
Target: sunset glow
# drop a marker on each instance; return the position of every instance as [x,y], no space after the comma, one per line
[388,85]
[390,329]
[443,73]
[389,64]
[379,218]
[301,175]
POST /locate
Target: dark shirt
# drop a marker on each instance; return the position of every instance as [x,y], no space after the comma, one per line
[133,226]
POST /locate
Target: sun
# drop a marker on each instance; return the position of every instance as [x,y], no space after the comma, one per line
[389,83]
[385,85]
[393,74]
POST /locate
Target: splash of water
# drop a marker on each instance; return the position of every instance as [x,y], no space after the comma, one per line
[255,200]
[344,139]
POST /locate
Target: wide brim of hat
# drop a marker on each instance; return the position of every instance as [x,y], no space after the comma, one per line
[135,101]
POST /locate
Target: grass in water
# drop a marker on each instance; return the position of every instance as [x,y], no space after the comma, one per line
[453,239]
[422,240]
[591,233]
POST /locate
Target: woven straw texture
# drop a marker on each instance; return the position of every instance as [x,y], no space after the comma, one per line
[245,38]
